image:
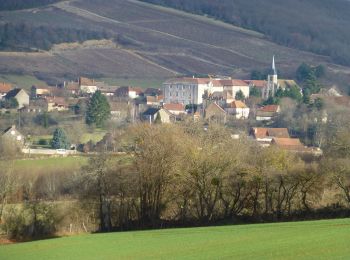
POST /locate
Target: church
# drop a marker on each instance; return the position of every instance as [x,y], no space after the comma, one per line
[269,87]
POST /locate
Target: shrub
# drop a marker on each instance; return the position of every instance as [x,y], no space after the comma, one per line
[31,220]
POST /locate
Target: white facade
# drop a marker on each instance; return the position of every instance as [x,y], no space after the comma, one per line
[235,89]
[184,92]
[88,89]
[239,113]
[133,94]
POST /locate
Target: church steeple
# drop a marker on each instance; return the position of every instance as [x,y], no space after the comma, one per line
[272,81]
[274,71]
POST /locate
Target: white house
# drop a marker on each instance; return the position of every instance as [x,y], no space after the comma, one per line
[87,86]
[191,90]
[238,109]
[128,92]
[185,90]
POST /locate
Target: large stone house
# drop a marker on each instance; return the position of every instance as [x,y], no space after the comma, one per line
[192,90]
[20,95]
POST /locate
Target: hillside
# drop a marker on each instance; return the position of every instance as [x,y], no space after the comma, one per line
[23,4]
[318,240]
[152,43]
[319,26]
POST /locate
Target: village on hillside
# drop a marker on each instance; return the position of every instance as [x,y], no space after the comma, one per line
[211,100]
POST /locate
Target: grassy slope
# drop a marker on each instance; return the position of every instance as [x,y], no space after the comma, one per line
[298,240]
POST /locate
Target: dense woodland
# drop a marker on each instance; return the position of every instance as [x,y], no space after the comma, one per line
[27,37]
[319,26]
[23,4]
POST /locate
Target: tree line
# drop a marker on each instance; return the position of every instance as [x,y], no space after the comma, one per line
[26,37]
[179,175]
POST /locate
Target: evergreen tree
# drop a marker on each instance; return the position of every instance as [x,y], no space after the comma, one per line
[240,95]
[60,140]
[98,110]
[255,92]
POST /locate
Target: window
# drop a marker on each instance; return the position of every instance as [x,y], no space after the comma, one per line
[177,93]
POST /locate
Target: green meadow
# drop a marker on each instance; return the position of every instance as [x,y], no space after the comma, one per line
[48,164]
[327,239]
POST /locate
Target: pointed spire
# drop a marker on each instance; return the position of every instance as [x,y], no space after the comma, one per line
[274,65]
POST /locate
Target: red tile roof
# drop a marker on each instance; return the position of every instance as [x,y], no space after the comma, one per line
[237,104]
[270,108]
[233,82]
[216,82]
[86,81]
[73,86]
[288,143]
[257,83]
[262,132]
[174,107]
[5,87]
[215,107]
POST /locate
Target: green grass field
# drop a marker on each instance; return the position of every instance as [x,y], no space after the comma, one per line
[296,240]
[48,164]
[22,81]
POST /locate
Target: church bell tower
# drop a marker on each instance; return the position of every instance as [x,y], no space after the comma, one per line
[272,81]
